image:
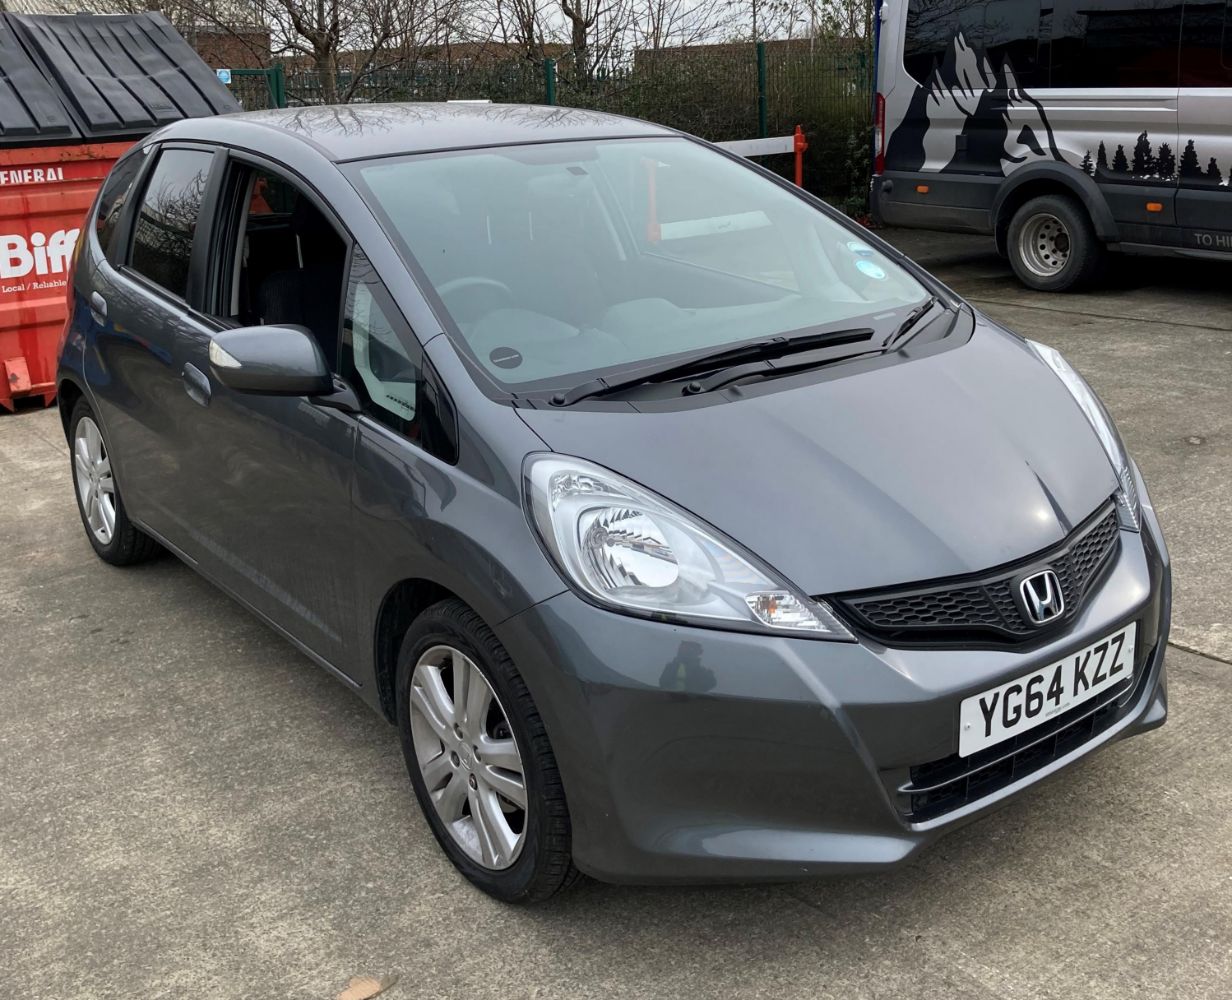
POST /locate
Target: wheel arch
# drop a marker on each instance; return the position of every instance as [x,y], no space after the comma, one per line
[1050,178]
[68,392]
[401,605]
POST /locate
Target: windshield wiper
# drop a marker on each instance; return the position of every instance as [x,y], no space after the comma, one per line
[913,317]
[758,350]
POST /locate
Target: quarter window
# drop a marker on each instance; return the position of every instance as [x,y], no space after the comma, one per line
[167,221]
[115,194]
[384,364]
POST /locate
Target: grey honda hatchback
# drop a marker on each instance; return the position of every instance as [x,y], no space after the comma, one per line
[685,530]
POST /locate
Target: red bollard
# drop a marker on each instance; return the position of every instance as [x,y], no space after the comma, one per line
[800,146]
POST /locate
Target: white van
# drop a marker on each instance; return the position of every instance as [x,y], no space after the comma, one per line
[1064,128]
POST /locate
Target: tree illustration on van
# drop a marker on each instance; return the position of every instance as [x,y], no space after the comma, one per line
[1101,159]
[1087,167]
[1213,174]
[1166,163]
[1190,168]
[1144,157]
[1120,165]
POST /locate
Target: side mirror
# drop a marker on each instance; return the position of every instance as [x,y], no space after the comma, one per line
[274,360]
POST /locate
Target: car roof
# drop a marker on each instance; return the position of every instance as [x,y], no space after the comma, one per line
[361,131]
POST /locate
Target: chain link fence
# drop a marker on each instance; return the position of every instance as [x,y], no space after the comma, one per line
[717,92]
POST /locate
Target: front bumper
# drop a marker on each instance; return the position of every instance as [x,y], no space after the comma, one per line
[693,754]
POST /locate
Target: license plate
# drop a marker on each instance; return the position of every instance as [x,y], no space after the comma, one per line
[1001,712]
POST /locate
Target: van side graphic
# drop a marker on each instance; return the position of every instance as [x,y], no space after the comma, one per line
[1005,127]
[1066,130]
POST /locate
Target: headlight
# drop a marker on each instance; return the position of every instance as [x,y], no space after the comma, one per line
[1128,510]
[635,552]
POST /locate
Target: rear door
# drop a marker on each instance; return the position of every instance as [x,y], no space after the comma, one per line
[1204,200]
[141,317]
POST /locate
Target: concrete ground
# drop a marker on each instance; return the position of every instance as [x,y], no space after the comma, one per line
[189,808]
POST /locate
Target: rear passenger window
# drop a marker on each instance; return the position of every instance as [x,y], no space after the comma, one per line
[116,190]
[1206,50]
[167,220]
[1067,43]
[1011,34]
[1115,43]
[931,27]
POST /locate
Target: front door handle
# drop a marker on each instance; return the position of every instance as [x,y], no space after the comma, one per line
[196,384]
[98,308]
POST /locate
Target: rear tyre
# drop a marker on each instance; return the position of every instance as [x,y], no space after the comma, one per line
[1052,245]
[479,758]
[114,537]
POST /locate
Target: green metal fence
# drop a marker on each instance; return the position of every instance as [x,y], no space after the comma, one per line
[719,92]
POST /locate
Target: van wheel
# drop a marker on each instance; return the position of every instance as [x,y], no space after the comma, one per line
[114,537]
[479,758]
[1052,244]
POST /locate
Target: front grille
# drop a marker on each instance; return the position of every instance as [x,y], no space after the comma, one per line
[983,608]
[941,786]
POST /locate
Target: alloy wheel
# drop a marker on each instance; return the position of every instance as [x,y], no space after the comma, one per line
[468,757]
[95,482]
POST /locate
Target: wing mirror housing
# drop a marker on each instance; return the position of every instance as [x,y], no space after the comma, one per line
[270,360]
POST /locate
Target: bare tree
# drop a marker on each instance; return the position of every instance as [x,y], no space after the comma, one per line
[522,23]
[661,24]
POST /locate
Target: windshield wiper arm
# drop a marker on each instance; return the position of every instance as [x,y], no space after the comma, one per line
[913,317]
[758,350]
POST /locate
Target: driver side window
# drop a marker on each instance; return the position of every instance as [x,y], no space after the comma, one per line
[384,364]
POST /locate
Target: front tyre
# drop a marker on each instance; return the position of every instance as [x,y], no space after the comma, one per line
[479,758]
[114,537]
[1052,245]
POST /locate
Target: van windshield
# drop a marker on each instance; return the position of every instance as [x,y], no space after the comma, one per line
[570,260]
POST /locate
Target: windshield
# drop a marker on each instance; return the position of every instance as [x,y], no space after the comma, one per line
[563,261]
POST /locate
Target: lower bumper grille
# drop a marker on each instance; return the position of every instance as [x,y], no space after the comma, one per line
[941,786]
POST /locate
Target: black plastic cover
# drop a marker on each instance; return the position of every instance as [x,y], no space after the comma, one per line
[29,106]
[120,76]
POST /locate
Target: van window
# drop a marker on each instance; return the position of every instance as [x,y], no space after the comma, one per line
[1072,43]
[931,27]
[163,235]
[1011,35]
[1114,43]
[1206,50]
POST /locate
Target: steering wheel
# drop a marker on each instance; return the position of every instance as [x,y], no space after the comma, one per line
[469,283]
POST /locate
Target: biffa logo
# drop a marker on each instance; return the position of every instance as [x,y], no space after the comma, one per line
[41,254]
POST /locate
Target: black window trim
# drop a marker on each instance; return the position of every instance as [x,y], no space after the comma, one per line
[201,237]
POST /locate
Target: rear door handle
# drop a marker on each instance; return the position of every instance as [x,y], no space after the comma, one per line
[196,384]
[98,307]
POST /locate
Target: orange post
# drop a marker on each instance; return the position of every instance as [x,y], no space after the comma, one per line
[800,146]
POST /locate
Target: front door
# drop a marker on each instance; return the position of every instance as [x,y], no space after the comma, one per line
[272,501]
